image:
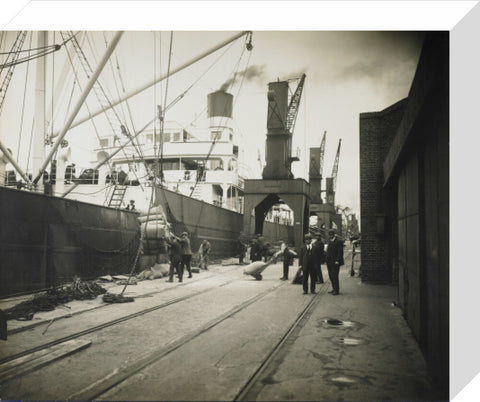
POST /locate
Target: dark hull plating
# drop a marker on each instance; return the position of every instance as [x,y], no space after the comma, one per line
[47,241]
[221,227]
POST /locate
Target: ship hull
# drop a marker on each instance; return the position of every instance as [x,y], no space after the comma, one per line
[47,241]
[220,226]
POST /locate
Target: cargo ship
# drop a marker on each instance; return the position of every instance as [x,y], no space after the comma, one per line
[58,223]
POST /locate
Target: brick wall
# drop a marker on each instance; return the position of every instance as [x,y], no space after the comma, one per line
[377,131]
[411,140]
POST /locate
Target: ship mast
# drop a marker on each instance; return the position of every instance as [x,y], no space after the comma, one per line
[38,155]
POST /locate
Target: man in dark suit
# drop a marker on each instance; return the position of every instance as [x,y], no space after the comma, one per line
[308,261]
[334,260]
[319,248]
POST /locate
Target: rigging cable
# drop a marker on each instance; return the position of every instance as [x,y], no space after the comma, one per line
[117,117]
[23,103]
[76,81]
[162,121]
[47,50]
[107,99]
[137,145]
[144,233]
[53,80]
[216,135]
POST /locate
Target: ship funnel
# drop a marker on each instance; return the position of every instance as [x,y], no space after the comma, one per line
[220,104]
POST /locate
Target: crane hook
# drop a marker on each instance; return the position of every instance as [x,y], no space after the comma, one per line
[249,45]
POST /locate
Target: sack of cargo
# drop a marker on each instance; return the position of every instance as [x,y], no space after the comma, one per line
[151,217]
[155,246]
[154,229]
[160,270]
[255,268]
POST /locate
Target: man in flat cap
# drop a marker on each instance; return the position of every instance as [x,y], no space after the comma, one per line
[186,254]
[307,260]
[334,260]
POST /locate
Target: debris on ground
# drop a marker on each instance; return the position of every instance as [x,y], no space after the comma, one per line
[111,298]
[48,301]
[131,281]
[120,277]
[106,278]
[230,261]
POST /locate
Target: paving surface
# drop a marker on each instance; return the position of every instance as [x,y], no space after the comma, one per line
[355,346]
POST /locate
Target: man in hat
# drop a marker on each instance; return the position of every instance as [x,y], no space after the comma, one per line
[203,253]
[175,256]
[131,206]
[307,260]
[334,260]
[319,248]
[186,254]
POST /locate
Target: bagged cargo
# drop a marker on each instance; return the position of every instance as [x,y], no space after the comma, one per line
[154,234]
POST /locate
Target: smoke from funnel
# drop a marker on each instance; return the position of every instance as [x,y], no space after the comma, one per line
[249,74]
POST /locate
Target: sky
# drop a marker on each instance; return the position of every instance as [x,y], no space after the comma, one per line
[347,73]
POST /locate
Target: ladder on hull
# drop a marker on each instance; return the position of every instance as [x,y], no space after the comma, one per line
[117,196]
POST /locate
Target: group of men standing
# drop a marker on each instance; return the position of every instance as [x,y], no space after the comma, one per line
[312,256]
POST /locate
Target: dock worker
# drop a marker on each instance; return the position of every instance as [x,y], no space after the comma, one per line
[241,250]
[186,253]
[203,253]
[175,255]
[334,260]
[288,255]
[131,206]
[255,249]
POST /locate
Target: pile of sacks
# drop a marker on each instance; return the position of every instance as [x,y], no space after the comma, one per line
[157,271]
[155,229]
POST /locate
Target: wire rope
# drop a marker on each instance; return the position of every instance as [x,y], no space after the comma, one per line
[23,104]
[222,121]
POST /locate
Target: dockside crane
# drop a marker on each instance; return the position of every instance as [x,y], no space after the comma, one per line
[281,118]
[292,112]
[259,160]
[322,154]
[331,181]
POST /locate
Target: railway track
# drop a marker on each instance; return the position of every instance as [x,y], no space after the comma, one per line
[101,326]
[41,323]
[250,384]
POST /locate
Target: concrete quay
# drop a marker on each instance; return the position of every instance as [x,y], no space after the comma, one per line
[355,346]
